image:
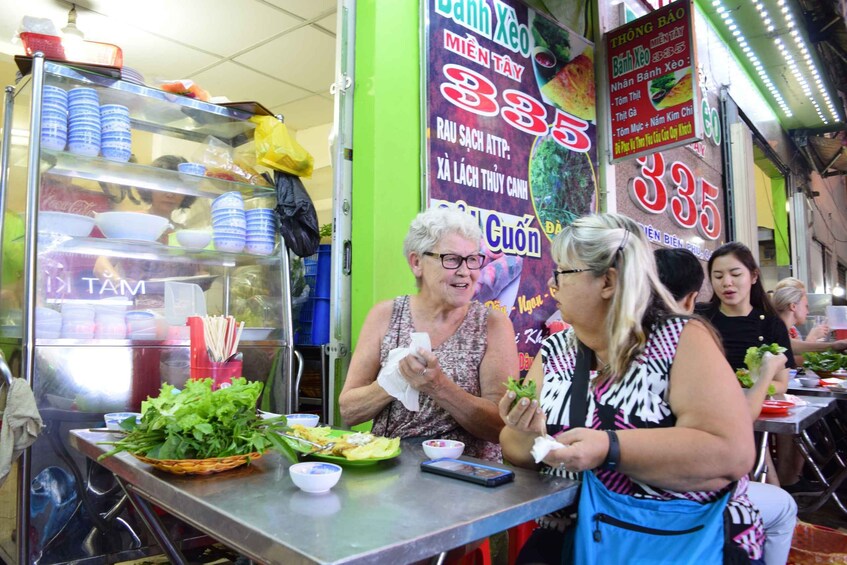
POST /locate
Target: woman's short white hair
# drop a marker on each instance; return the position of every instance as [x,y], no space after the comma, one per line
[432,225]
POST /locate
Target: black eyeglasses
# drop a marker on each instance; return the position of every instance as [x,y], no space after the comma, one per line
[452,261]
[557,272]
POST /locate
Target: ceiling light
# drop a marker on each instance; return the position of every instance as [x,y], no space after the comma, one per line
[838,290]
[70,31]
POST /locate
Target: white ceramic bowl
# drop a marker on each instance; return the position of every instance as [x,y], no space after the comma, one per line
[114,419]
[194,239]
[809,381]
[74,225]
[438,448]
[305,420]
[131,225]
[315,477]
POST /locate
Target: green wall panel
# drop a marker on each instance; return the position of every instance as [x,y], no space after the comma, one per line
[386,151]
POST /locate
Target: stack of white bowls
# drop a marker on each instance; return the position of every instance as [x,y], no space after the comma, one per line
[54,118]
[48,323]
[141,325]
[261,231]
[116,133]
[77,321]
[109,318]
[84,121]
[229,223]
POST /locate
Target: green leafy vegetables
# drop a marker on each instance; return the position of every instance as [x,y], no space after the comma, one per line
[746,381]
[526,390]
[662,84]
[825,361]
[753,357]
[198,423]
[753,360]
[552,37]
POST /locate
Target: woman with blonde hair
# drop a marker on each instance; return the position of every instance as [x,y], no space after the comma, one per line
[792,304]
[650,429]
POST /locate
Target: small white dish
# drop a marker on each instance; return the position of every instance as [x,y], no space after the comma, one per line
[305,420]
[315,477]
[114,419]
[438,448]
[74,225]
[809,381]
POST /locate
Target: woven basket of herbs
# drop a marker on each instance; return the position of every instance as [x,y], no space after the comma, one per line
[199,431]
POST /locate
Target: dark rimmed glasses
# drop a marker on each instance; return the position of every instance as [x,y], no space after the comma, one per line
[452,261]
[557,272]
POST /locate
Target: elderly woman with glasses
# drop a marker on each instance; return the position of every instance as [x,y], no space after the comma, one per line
[473,348]
[661,418]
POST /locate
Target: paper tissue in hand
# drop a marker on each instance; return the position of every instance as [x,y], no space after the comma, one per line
[392,381]
[542,446]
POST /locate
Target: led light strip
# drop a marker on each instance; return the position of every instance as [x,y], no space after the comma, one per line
[770,26]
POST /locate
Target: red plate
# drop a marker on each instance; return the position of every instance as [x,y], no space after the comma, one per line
[776,407]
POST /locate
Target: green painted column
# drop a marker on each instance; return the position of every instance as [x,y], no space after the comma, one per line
[386,188]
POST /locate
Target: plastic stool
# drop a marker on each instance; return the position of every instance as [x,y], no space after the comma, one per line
[517,538]
[479,556]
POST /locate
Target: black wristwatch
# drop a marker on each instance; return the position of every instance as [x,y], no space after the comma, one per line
[613,457]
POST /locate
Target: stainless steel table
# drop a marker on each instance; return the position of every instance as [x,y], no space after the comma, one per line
[797,419]
[390,512]
[819,457]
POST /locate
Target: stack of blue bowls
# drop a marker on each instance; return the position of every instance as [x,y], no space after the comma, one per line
[229,222]
[84,122]
[261,231]
[54,118]
[116,132]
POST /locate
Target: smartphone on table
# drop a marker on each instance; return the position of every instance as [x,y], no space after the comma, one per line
[468,471]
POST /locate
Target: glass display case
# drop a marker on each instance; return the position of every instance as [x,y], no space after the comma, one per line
[107,247]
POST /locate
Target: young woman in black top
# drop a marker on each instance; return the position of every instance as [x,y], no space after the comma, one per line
[743,316]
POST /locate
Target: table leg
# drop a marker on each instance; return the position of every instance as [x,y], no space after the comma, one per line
[831,487]
[157,530]
[760,469]
[439,559]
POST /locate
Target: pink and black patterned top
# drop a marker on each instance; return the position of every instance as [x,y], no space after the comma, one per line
[639,400]
[460,357]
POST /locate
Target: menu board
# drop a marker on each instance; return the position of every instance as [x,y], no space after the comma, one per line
[653,82]
[511,139]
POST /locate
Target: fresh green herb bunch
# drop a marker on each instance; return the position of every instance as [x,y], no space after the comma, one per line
[526,390]
[199,423]
[825,361]
[753,357]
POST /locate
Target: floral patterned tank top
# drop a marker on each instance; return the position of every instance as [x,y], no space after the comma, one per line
[460,357]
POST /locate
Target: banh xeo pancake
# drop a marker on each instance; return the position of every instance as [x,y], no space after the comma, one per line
[572,89]
[354,446]
[679,93]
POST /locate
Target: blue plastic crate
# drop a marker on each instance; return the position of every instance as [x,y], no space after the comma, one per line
[314,315]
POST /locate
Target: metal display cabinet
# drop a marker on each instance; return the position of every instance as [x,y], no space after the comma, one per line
[69,510]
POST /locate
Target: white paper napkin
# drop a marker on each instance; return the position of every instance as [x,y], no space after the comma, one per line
[795,399]
[542,446]
[392,381]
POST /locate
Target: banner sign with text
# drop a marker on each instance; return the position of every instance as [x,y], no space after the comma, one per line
[653,82]
[511,139]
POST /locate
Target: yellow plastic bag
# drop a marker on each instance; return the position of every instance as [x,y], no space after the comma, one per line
[276,149]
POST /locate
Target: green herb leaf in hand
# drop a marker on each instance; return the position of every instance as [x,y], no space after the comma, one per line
[526,390]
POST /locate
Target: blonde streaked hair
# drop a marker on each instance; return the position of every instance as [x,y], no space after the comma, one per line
[786,295]
[600,242]
[790,282]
